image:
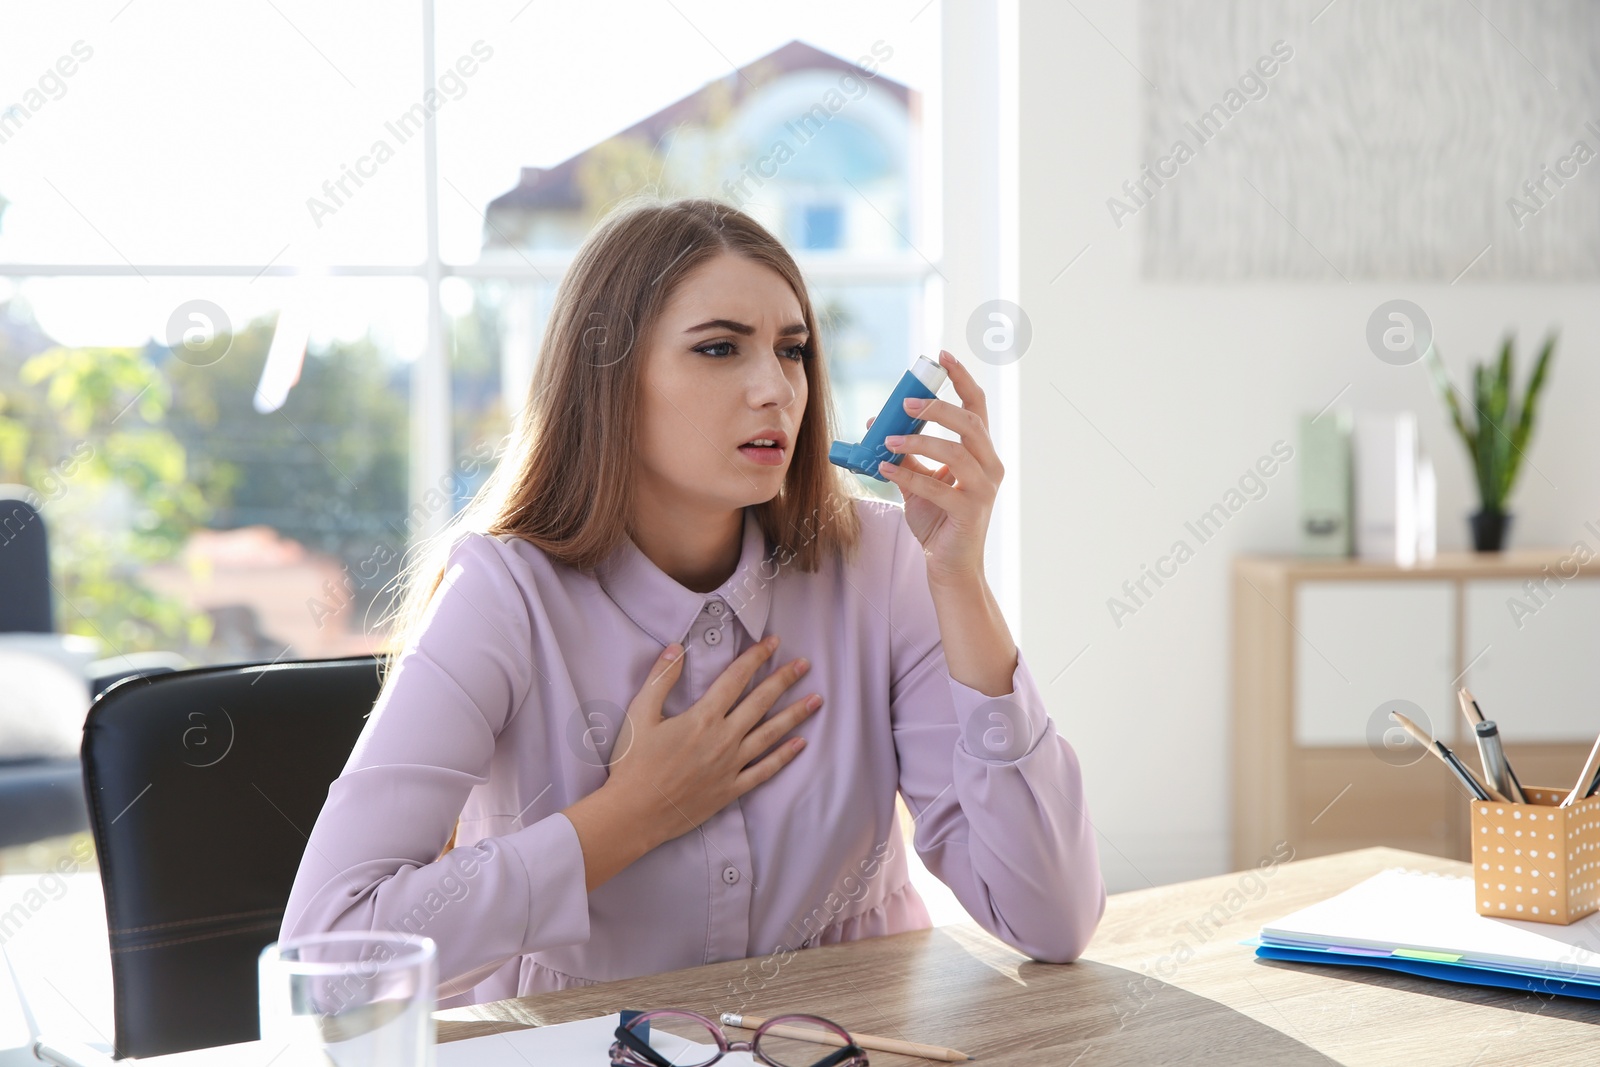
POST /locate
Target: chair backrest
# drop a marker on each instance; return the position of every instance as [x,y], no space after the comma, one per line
[25,604]
[202,786]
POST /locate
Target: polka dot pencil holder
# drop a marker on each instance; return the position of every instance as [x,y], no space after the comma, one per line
[1537,861]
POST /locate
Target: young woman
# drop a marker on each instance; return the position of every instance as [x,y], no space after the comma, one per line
[585,684]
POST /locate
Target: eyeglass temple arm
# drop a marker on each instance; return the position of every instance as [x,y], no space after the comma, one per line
[643,1048]
[839,1055]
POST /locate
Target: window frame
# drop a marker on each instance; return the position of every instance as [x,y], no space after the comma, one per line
[957,265]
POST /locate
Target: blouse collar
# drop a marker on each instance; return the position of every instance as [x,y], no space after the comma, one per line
[666,610]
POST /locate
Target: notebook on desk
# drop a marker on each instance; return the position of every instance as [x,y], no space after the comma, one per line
[1427,924]
[582,1043]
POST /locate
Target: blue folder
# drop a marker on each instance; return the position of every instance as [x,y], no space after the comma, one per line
[1462,973]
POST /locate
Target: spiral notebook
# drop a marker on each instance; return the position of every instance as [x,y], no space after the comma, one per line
[1428,924]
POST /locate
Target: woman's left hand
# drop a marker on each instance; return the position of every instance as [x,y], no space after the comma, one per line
[948,508]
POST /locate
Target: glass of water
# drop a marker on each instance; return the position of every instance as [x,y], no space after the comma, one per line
[351,999]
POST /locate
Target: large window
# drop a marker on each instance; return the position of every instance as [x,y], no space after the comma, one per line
[273,279]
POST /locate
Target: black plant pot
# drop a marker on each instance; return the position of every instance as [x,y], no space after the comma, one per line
[1490,530]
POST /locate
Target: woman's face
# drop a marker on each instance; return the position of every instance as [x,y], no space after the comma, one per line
[723,366]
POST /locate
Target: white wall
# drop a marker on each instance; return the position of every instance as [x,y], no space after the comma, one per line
[1186,385]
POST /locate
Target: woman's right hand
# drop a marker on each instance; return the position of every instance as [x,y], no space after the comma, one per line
[670,775]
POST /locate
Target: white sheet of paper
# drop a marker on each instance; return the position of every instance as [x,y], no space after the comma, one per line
[583,1043]
[1415,910]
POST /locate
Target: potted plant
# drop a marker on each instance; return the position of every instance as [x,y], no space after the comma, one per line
[1497,434]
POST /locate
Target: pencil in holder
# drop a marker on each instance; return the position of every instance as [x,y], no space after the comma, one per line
[1537,861]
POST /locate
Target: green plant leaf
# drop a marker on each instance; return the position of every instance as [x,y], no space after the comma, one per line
[1501,394]
[1529,411]
[1447,392]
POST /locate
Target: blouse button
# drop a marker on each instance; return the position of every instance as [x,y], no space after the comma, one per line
[713,637]
[730,874]
[716,608]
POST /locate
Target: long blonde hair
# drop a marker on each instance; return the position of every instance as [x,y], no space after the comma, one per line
[564,481]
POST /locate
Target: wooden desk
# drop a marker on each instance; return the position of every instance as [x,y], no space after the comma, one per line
[1211,1001]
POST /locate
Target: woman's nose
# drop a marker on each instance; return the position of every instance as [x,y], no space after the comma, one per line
[772,385]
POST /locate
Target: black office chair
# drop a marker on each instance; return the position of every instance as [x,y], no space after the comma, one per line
[202,786]
[38,797]
[24,566]
[42,796]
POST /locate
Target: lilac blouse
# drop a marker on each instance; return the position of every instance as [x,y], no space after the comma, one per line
[504,709]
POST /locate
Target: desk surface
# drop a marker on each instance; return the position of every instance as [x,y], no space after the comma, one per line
[1164,980]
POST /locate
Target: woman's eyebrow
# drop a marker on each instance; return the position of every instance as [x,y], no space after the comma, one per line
[793,329]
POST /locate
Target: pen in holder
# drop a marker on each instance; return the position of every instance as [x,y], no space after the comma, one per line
[1536,861]
[922,380]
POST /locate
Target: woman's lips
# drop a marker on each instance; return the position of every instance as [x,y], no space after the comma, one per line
[767,456]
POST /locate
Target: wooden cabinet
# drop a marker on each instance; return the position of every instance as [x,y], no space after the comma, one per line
[1541,670]
[1322,647]
[1364,642]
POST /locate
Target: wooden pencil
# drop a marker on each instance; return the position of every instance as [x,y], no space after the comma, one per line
[1467,779]
[823,1037]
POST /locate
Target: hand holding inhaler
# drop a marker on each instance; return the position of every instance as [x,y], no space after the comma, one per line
[921,381]
[946,508]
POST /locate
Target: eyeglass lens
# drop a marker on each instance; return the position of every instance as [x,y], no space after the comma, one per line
[786,1051]
[671,1036]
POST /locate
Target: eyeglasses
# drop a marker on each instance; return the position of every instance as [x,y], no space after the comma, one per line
[774,1044]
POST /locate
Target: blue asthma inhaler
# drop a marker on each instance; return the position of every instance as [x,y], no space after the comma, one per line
[924,380]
